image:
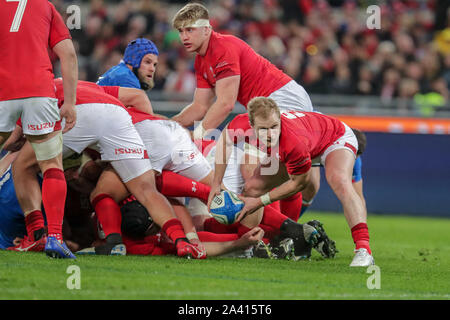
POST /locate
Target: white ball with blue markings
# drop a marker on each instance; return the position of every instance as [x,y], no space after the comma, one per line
[226,206]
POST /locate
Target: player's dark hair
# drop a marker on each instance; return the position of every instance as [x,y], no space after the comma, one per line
[362,141]
[135,220]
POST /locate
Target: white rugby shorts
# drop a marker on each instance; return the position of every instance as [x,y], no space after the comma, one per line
[170,148]
[106,128]
[292,96]
[39,115]
[347,141]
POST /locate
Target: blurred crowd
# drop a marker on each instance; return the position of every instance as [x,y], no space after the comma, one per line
[324,45]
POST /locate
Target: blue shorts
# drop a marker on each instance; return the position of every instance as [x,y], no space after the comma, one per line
[12,221]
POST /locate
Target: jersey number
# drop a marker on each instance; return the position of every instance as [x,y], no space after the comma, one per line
[292,114]
[19,14]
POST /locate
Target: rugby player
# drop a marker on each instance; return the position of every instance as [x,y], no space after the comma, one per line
[27,29]
[228,69]
[294,140]
[137,68]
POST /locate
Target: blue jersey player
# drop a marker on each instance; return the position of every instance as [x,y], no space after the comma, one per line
[12,222]
[137,68]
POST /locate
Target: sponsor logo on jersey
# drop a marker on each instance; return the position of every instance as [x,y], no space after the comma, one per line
[128,151]
[37,127]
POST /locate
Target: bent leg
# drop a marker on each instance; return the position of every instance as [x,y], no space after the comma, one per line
[48,149]
[338,172]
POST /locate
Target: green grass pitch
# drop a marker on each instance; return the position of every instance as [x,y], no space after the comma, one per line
[413,256]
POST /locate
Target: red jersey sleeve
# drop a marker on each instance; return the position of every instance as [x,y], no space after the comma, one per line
[201,81]
[227,64]
[297,159]
[58,30]
[111,90]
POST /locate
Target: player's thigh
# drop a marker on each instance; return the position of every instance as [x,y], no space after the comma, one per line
[157,139]
[10,112]
[339,168]
[40,116]
[110,183]
[261,182]
[47,149]
[186,159]
[3,137]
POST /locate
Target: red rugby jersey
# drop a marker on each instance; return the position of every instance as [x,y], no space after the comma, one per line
[27,30]
[304,136]
[89,92]
[227,56]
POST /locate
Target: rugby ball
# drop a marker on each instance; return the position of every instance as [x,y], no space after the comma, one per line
[226,206]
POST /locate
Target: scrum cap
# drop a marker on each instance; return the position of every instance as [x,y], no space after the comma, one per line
[137,49]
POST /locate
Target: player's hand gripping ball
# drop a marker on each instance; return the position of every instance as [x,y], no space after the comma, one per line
[226,206]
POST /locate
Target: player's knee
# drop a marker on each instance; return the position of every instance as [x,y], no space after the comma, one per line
[253,189]
[339,182]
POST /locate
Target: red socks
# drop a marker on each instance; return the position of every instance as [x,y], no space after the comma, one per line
[54,191]
[174,229]
[108,214]
[272,217]
[292,206]
[172,184]
[360,235]
[205,236]
[34,221]
[212,225]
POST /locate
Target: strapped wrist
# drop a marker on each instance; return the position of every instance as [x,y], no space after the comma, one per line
[265,199]
[199,131]
[192,235]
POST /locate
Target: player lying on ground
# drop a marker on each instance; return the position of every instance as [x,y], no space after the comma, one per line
[81,229]
[293,140]
[106,125]
[143,237]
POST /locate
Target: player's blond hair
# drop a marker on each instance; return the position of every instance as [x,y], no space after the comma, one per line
[189,14]
[261,107]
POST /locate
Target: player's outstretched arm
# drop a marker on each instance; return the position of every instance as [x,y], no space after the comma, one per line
[223,152]
[69,70]
[227,90]
[248,239]
[203,99]
[136,98]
